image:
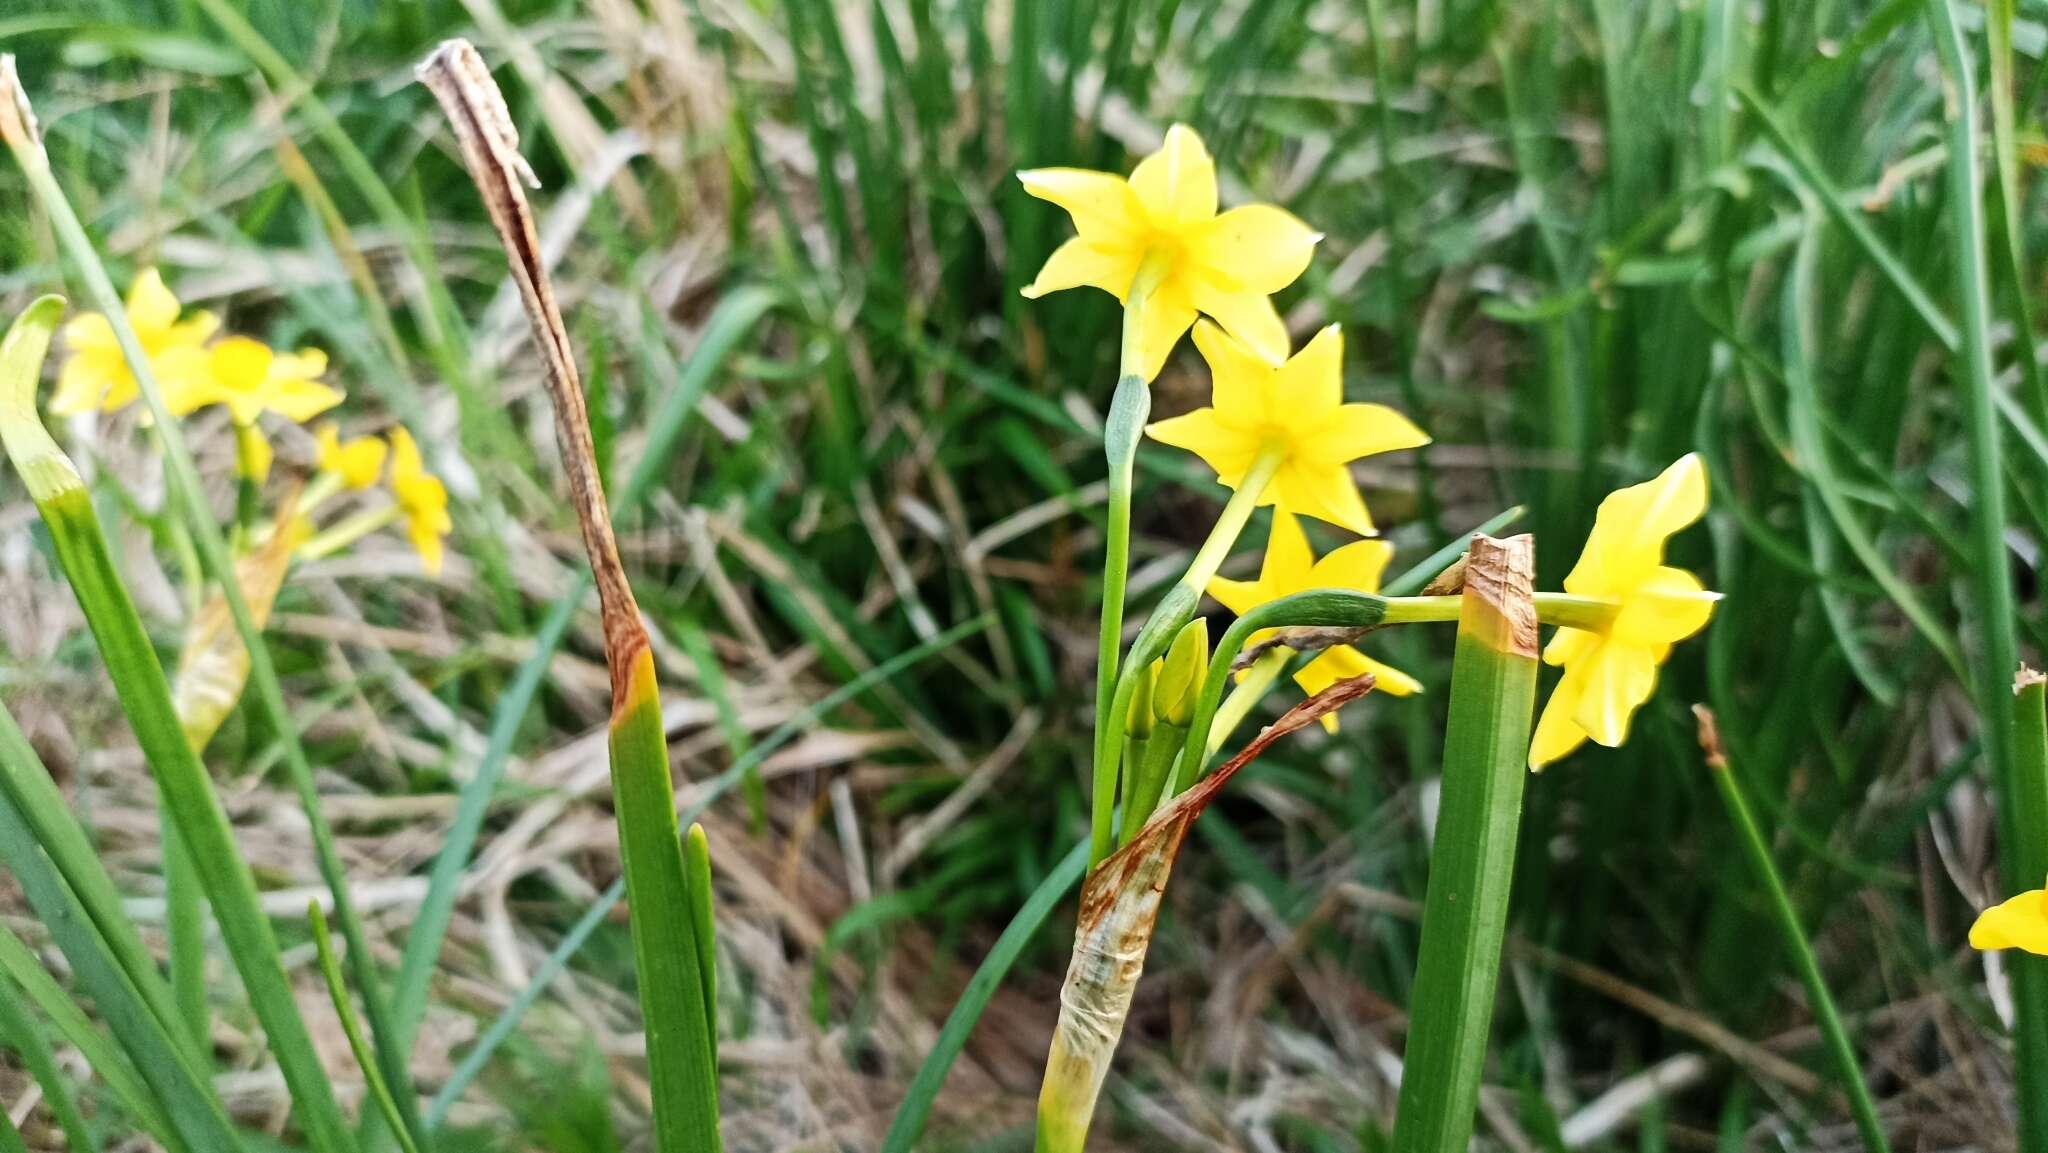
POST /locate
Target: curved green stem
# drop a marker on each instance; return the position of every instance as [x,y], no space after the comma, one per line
[1328,608]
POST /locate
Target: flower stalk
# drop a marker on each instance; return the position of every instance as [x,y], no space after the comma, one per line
[1758,853]
[1464,920]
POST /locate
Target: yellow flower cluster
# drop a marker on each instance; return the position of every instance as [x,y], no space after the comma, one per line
[1276,416]
[1157,243]
[248,378]
[243,374]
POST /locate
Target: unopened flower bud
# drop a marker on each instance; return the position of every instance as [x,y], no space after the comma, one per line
[1181,672]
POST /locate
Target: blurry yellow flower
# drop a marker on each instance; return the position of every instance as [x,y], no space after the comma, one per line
[96,375]
[250,378]
[1609,673]
[253,454]
[422,498]
[1297,410]
[2020,923]
[356,463]
[1291,567]
[1163,220]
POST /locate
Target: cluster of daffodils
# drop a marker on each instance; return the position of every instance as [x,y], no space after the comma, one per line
[198,368]
[1279,433]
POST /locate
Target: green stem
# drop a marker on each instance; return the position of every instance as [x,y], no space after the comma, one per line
[2023,843]
[1121,434]
[1464,919]
[1237,512]
[1326,608]
[1833,1035]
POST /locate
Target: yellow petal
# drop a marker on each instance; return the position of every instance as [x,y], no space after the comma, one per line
[1237,377]
[1358,565]
[1239,597]
[82,384]
[1390,680]
[298,400]
[1258,248]
[1325,492]
[1360,430]
[1289,560]
[1248,316]
[1167,315]
[1632,524]
[1557,734]
[1619,678]
[1668,606]
[1104,207]
[1079,262]
[1308,390]
[89,332]
[189,384]
[152,310]
[1569,645]
[1177,184]
[357,463]
[1222,447]
[2018,923]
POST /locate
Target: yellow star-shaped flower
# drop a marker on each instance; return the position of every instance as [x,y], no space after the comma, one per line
[2019,923]
[95,373]
[1291,567]
[250,379]
[1609,673]
[422,499]
[1163,221]
[1296,410]
[356,463]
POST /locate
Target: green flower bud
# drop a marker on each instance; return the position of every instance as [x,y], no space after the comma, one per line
[1138,723]
[1181,672]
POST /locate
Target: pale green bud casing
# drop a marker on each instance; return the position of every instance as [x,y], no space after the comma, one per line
[1178,685]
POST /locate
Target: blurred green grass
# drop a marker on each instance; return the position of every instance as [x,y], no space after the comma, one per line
[1555,234]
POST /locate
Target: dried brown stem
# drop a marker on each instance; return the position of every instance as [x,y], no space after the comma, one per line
[456,75]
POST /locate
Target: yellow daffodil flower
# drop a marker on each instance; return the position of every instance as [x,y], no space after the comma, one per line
[2020,923]
[1610,672]
[422,499]
[1297,411]
[96,375]
[1290,567]
[356,463]
[1160,230]
[250,378]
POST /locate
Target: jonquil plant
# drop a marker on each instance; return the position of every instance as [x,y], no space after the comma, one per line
[1280,433]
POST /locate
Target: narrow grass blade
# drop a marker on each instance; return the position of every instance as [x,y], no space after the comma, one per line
[1844,214]
[2023,843]
[2029,800]
[25,973]
[1464,919]
[337,992]
[1758,853]
[197,1119]
[682,1076]
[21,1032]
[697,873]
